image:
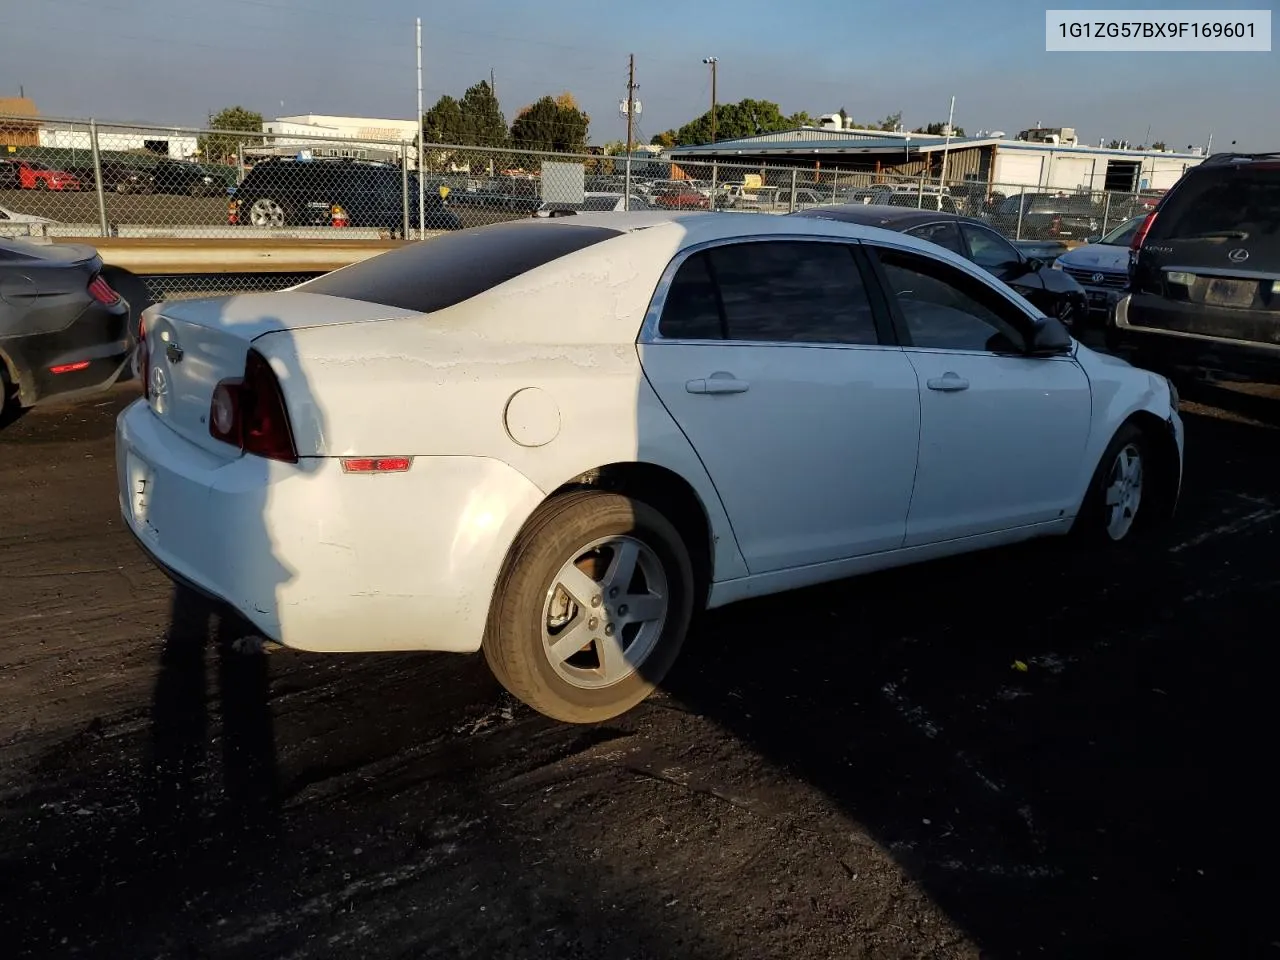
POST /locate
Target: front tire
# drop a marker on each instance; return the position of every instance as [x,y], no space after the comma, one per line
[591,608]
[1122,494]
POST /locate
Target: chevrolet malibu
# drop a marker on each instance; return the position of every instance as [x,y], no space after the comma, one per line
[554,440]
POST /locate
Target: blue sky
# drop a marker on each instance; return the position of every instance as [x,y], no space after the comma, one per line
[173,61]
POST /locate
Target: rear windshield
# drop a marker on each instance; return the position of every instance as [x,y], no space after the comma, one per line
[1233,201]
[436,274]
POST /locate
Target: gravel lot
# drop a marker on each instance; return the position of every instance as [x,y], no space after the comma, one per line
[853,771]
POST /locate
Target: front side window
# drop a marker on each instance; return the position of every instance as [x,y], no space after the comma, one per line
[946,309]
[988,249]
[793,291]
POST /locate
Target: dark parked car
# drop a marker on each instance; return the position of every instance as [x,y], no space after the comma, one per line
[1052,291]
[183,176]
[1049,216]
[288,192]
[117,175]
[1204,276]
[63,329]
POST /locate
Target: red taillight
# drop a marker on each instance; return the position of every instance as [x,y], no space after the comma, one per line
[101,291]
[1139,237]
[376,464]
[233,213]
[144,358]
[338,216]
[249,412]
[70,367]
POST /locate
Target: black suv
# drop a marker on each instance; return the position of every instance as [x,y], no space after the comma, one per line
[1204,273]
[288,192]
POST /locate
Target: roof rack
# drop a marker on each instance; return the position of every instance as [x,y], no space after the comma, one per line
[1220,158]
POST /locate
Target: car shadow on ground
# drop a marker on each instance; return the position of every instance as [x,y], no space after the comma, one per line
[1066,752]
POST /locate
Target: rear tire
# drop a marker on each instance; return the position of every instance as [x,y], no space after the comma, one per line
[10,407]
[591,608]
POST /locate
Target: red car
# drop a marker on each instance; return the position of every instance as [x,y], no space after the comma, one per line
[681,200]
[29,175]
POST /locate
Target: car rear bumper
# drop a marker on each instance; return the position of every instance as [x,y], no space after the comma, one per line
[318,559]
[90,354]
[1191,336]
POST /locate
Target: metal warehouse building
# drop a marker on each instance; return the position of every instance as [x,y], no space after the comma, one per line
[994,161]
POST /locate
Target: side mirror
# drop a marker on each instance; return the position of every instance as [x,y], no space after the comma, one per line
[1034,264]
[1049,337]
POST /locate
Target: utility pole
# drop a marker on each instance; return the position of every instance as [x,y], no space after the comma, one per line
[946,146]
[631,113]
[712,61]
[422,198]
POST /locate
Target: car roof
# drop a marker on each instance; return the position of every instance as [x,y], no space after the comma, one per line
[883,215]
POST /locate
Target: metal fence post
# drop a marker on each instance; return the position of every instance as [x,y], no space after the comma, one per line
[1106,210]
[239,162]
[715,189]
[626,193]
[792,205]
[920,195]
[97,177]
[404,190]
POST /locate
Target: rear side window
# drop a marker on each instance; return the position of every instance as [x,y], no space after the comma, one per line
[774,292]
[1233,201]
[436,274]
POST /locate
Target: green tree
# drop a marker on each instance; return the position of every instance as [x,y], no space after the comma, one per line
[746,118]
[666,139]
[800,119]
[891,122]
[482,121]
[1159,145]
[443,122]
[939,129]
[551,125]
[216,148]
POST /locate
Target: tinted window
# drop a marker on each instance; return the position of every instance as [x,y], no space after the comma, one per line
[1235,201]
[987,248]
[435,274]
[692,307]
[943,234]
[792,291]
[946,309]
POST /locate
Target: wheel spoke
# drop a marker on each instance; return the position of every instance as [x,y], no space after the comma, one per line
[643,607]
[613,660]
[1115,495]
[578,585]
[623,565]
[571,641]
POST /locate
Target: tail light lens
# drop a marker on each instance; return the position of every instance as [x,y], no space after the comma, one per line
[101,291]
[249,412]
[337,215]
[233,213]
[1140,237]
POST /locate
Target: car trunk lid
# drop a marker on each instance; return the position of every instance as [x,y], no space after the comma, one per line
[191,345]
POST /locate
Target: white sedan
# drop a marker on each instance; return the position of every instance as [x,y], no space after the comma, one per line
[554,439]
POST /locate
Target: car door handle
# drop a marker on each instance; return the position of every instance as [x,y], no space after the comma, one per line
[719,382]
[949,383]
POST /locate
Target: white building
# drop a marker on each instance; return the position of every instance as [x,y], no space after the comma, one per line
[75,136]
[361,138]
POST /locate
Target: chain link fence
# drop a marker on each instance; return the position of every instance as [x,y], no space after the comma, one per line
[64,178]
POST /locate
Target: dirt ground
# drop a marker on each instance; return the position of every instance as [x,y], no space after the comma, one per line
[853,771]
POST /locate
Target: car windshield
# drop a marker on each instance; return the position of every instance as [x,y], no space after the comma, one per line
[1123,234]
[1242,202]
